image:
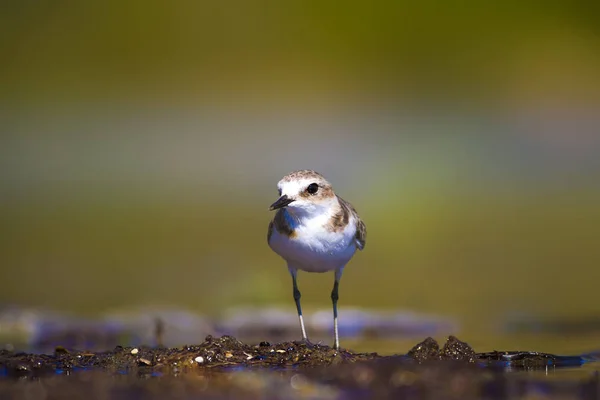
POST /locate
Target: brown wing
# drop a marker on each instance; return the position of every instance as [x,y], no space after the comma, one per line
[361,234]
[361,230]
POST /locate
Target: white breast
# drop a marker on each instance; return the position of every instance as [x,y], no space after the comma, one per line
[314,248]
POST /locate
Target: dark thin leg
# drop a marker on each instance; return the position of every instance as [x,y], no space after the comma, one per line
[297,296]
[334,300]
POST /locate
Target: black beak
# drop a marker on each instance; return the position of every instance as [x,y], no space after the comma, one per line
[281,202]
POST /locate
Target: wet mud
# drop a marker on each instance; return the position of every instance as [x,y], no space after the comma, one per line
[223,367]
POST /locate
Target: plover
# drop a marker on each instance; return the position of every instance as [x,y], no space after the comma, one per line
[314,230]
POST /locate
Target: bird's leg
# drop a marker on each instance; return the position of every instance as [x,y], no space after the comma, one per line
[297,296]
[334,300]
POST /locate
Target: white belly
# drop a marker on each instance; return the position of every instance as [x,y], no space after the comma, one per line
[319,251]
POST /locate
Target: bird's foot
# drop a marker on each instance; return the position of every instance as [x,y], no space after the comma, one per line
[307,343]
[340,356]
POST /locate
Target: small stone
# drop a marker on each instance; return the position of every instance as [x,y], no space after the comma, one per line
[199,359]
[281,351]
[135,351]
[144,361]
[428,349]
[455,349]
[228,355]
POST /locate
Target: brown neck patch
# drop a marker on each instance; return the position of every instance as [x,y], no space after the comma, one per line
[340,219]
[281,224]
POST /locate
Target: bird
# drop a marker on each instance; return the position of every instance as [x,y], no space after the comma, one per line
[314,230]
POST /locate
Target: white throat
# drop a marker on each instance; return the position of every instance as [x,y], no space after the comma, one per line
[317,214]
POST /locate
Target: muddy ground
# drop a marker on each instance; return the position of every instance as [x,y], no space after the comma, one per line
[227,368]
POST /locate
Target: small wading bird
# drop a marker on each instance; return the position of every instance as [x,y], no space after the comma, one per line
[314,230]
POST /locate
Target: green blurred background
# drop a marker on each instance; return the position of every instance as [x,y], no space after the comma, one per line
[141,143]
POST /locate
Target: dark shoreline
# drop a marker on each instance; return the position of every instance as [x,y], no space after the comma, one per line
[224,367]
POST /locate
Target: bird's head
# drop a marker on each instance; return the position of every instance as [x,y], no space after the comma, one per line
[304,193]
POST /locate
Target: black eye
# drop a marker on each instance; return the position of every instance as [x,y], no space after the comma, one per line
[312,188]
